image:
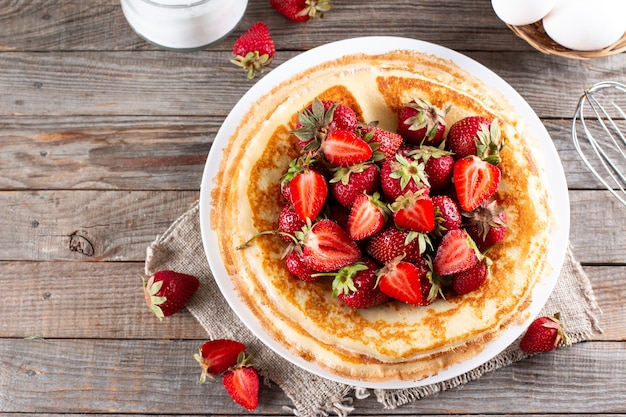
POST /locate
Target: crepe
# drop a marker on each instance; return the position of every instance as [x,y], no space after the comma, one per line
[393,341]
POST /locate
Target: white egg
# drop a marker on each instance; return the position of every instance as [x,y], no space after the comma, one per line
[582,25]
[522,12]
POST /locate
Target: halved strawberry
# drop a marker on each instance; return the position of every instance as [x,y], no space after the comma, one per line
[401,280]
[242,383]
[456,252]
[345,148]
[475,181]
[355,285]
[216,356]
[414,211]
[327,247]
[368,215]
[308,192]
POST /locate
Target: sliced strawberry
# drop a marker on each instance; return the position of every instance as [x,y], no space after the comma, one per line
[457,252]
[166,292]
[368,215]
[470,280]
[327,247]
[475,181]
[355,285]
[414,211]
[401,280]
[216,356]
[308,191]
[345,148]
[242,384]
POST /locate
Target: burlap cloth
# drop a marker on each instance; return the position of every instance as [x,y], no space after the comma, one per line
[180,248]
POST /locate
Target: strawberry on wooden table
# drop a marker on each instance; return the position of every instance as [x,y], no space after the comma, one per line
[544,334]
[242,383]
[166,292]
[254,50]
[217,356]
[301,10]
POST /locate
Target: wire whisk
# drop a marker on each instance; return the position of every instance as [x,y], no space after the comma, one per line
[598,134]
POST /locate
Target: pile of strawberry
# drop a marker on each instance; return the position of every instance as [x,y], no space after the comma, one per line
[406,215]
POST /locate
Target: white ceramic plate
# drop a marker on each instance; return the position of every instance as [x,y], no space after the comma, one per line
[378,45]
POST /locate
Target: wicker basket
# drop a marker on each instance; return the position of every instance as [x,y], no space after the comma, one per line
[536,36]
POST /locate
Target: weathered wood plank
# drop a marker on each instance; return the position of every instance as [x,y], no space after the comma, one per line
[86,225]
[100,25]
[158,83]
[91,225]
[102,153]
[71,299]
[84,376]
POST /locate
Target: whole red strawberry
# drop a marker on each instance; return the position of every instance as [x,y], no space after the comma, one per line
[298,268]
[350,182]
[402,174]
[167,291]
[447,214]
[543,335]
[217,356]
[242,383]
[470,280]
[487,225]
[384,142]
[419,122]
[355,285]
[254,49]
[321,117]
[301,10]
[289,222]
[392,242]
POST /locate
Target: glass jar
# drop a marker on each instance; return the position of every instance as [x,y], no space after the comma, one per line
[183,24]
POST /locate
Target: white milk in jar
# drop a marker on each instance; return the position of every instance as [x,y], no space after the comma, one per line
[183,24]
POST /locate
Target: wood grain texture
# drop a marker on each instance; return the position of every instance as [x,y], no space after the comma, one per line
[124,380]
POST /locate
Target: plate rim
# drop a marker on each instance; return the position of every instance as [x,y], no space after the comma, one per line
[373,45]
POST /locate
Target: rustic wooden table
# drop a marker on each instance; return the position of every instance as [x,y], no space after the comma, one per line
[103,142]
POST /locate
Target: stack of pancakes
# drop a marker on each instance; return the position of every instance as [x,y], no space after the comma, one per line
[393,341]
